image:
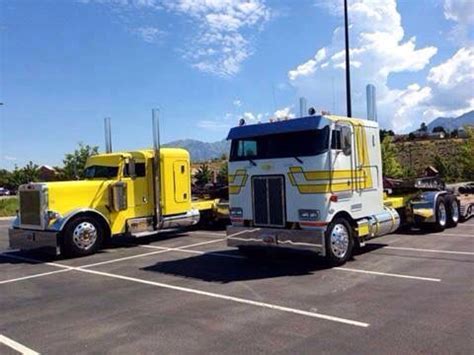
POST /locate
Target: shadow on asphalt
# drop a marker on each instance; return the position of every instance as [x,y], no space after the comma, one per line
[259,264]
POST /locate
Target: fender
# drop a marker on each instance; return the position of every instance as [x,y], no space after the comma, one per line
[59,224]
[424,205]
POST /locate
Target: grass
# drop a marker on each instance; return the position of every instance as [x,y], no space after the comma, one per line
[8,206]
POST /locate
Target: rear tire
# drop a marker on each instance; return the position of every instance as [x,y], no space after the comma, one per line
[339,241]
[453,211]
[441,215]
[82,236]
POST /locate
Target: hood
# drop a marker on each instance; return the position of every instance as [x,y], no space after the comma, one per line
[66,196]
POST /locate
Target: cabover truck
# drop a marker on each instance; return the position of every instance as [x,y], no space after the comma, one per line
[136,193]
[316,183]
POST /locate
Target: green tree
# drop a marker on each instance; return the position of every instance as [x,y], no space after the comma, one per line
[384,133]
[439,129]
[423,127]
[75,162]
[25,175]
[203,175]
[4,177]
[390,164]
[222,175]
[411,136]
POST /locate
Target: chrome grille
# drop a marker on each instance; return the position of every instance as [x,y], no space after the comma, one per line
[269,201]
[30,208]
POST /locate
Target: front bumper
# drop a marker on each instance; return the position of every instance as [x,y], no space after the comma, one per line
[312,240]
[26,239]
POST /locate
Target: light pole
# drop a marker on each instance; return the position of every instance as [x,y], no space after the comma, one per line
[348,65]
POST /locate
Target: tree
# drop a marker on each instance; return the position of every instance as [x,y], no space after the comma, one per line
[222,175]
[25,175]
[384,133]
[4,177]
[454,133]
[390,165]
[411,136]
[423,127]
[75,162]
[203,175]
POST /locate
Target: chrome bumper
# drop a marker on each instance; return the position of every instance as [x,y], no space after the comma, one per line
[25,239]
[312,240]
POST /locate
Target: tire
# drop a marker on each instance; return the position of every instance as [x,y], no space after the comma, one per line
[441,215]
[82,236]
[453,211]
[339,241]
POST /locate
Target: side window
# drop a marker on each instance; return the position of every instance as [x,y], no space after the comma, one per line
[140,170]
[247,148]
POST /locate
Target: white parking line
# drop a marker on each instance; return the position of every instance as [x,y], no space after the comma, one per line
[455,235]
[207,233]
[387,274]
[231,298]
[151,253]
[431,250]
[16,346]
[34,276]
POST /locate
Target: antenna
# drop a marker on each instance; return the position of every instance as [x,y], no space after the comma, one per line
[348,64]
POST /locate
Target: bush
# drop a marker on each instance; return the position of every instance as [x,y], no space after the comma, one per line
[8,206]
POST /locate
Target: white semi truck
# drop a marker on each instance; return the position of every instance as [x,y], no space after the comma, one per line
[316,183]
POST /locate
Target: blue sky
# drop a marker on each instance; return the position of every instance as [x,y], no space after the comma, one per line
[67,64]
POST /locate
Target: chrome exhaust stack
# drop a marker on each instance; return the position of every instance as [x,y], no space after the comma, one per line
[108,134]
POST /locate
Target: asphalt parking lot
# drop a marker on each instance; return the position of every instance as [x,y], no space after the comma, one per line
[188,293]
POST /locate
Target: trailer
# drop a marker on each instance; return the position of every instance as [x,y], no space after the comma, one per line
[316,183]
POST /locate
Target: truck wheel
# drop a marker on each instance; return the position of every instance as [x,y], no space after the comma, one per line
[453,211]
[441,215]
[339,241]
[82,236]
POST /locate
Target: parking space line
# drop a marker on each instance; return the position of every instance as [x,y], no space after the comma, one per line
[35,261]
[16,346]
[231,298]
[420,278]
[150,253]
[455,235]
[207,233]
[33,276]
[431,250]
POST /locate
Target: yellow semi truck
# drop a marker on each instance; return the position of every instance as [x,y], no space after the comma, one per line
[134,193]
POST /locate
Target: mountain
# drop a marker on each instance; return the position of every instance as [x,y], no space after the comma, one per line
[452,123]
[202,151]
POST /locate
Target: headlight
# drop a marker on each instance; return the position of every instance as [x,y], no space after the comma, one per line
[308,215]
[52,215]
[236,212]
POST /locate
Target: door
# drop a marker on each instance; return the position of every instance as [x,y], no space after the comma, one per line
[343,164]
[182,181]
[135,173]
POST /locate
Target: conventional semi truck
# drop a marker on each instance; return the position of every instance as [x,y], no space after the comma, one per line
[316,183]
[136,193]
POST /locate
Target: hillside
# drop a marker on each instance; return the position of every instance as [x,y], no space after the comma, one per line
[452,123]
[201,151]
[417,155]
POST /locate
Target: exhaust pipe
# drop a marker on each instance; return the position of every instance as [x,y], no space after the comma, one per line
[371,103]
[157,167]
[303,111]
[108,134]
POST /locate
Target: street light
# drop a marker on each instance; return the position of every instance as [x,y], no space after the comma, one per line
[348,65]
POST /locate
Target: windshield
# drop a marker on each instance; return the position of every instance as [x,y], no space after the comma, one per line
[101,172]
[286,145]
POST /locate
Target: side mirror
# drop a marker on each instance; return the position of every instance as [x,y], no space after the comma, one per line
[346,140]
[131,168]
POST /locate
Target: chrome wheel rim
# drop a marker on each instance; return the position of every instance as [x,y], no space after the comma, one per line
[339,240]
[84,235]
[455,211]
[442,214]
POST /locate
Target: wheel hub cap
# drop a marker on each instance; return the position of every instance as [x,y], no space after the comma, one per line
[455,211]
[84,235]
[339,240]
[442,214]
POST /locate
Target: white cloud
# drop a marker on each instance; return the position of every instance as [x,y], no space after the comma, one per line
[237,103]
[214,125]
[283,113]
[461,12]
[9,158]
[149,34]
[224,27]
[379,49]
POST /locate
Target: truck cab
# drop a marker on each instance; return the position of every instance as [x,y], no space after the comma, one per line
[309,183]
[122,193]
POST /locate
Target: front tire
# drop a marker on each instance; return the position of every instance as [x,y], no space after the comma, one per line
[339,241]
[82,236]
[441,215]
